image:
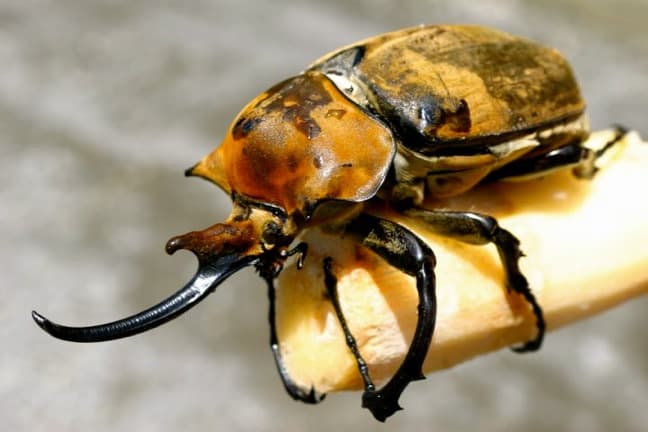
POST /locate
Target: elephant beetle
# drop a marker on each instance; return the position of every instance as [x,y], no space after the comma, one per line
[424,111]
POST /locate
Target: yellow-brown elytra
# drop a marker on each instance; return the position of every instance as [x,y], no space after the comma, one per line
[425,111]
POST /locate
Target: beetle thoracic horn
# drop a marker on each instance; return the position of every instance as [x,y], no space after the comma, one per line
[213,269]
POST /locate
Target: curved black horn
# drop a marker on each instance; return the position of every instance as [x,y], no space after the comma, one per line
[207,278]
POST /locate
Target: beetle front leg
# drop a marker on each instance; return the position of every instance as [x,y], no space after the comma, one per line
[409,254]
[269,271]
[478,229]
[295,392]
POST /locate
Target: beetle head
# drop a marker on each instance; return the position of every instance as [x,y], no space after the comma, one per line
[251,236]
[296,146]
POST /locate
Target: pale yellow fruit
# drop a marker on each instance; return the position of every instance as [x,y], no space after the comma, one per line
[586,246]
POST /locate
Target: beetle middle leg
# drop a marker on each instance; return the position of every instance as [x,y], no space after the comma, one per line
[330,282]
[403,250]
[479,229]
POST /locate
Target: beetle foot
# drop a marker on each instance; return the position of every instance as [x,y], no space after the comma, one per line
[535,343]
[298,394]
[382,404]
[530,346]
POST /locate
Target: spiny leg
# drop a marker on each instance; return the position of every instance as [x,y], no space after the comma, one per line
[589,166]
[574,155]
[406,252]
[478,229]
[269,271]
[330,282]
[583,160]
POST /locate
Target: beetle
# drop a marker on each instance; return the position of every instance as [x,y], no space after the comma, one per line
[420,112]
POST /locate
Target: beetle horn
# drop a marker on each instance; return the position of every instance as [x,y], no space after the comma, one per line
[221,252]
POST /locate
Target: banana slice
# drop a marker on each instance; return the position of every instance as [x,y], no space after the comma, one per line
[586,246]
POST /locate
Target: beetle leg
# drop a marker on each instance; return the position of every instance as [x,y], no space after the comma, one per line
[479,229]
[292,388]
[573,155]
[589,165]
[330,281]
[269,270]
[577,155]
[406,252]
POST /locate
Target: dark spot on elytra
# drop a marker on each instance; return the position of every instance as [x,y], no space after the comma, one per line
[358,55]
[296,99]
[347,165]
[459,119]
[429,115]
[419,121]
[448,112]
[345,61]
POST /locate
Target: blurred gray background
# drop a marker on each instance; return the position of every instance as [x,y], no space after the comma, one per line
[102,106]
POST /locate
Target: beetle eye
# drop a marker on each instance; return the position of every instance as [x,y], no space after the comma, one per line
[272,232]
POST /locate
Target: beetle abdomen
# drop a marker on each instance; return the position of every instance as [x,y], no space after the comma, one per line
[448,90]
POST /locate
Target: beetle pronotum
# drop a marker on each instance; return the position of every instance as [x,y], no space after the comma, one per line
[425,111]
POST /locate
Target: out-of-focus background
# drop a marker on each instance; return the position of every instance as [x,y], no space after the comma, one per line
[102,106]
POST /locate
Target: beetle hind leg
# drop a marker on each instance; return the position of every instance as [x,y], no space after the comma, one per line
[591,164]
[478,229]
[584,158]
